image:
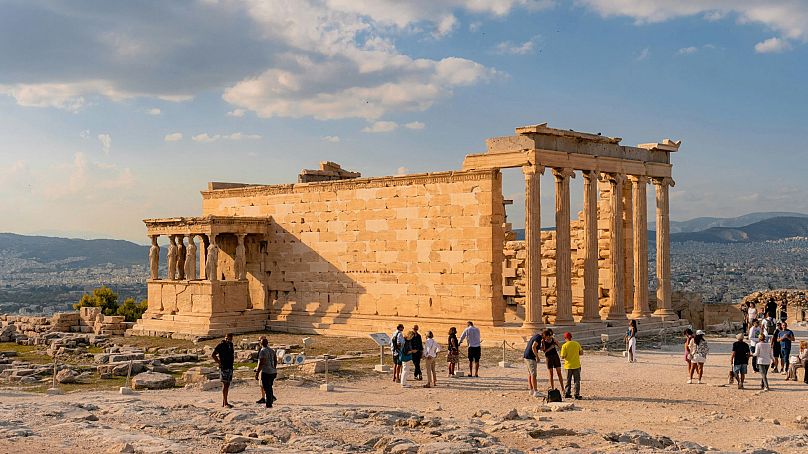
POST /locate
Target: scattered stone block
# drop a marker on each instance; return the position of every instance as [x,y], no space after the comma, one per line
[152,380]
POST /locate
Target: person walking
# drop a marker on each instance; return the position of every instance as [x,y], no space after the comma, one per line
[571,353]
[431,349]
[744,308]
[777,364]
[783,311]
[631,341]
[396,341]
[406,357]
[698,355]
[754,334]
[531,357]
[224,354]
[740,359]
[472,336]
[418,346]
[453,354]
[263,398]
[550,347]
[267,370]
[785,337]
[688,333]
[762,356]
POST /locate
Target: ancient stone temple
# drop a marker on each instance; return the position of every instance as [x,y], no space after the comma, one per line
[342,254]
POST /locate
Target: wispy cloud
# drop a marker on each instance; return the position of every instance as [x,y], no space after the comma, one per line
[236,136]
[510,48]
[414,125]
[154,111]
[687,50]
[173,137]
[331,139]
[381,126]
[772,45]
[238,113]
[644,54]
[106,142]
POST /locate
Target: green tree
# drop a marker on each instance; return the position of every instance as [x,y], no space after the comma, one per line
[132,310]
[102,297]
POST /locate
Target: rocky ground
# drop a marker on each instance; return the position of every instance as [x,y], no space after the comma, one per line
[642,407]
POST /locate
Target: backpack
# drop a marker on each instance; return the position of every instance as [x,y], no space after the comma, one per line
[770,326]
[394,344]
[553,395]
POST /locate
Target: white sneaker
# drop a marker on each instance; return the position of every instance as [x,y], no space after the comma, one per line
[690,382]
[700,382]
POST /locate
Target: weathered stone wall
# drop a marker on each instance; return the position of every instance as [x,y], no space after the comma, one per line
[16,328]
[796,299]
[365,251]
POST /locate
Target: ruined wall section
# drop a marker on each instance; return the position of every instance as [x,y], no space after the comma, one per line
[365,252]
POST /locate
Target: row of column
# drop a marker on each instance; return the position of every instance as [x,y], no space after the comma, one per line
[182,260]
[639,262]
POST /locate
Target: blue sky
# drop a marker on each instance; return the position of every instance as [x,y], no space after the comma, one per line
[111,112]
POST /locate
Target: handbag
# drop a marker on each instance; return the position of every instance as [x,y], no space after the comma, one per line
[553,395]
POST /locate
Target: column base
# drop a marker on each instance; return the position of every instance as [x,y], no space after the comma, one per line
[613,317]
[532,325]
[669,314]
[636,315]
[559,322]
[591,320]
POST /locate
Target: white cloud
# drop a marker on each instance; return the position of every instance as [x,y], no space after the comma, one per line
[687,50]
[445,26]
[153,111]
[205,138]
[238,113]
[82,178]
[85,134]
[173,137]
[475,26]
[415,125]
[402,171]
[772,45]
[645,53]
[106,142]
[241,136]
[332,139]
[236,136]
[509,48]
[381,126]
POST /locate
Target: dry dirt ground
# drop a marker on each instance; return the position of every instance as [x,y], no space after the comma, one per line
[368,413]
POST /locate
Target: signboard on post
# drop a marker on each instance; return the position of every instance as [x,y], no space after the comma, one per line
[383,341]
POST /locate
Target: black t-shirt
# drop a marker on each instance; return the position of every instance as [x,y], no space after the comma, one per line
[529,349]
[226,354]
[771,308]
[741,350]
[417,343]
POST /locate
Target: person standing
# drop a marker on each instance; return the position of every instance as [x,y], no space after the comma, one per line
[571,353]
[431,349]
[688,333]
[472,336]
[752,311]
[268,370]
[754,334]
[776,348]
[783,311]
[631,341]
[740,359]
[418,346]
[406,357]
[762,355]
[771,308]
[396,340]
[453,356]
[531,357]
[785,337]
[224,354]
[744,308]
[698,354]
[263,398]
[550,347]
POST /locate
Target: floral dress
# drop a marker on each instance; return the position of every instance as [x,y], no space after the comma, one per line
[453,356]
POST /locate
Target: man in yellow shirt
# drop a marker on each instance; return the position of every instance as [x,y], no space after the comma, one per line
[571,353]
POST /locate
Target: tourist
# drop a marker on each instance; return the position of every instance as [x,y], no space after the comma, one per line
[267,369]
[396,341]
[224,354]
[406,357]
[767,325]
[431,349]
[698,349]
[550,347]
[762,356]
[688,333]
[771,308]
[531,357]
[754,334]
[453,354]
[785,337]
[263,398]
[783,311]
[418,346]
[571,353]
[801,361]
[744,308]
[776,348]
[752,311]
[472,336]
[631,341]
[739,359]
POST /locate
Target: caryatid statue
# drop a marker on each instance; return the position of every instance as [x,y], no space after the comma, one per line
[211,262]
[154,258]
[190,259]
[241,259]
[181,258]
[172,258]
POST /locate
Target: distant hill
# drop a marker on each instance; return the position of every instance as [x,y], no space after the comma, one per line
[73,252]
[769,229]
[704,223]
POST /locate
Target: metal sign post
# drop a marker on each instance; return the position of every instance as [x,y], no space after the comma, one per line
[383,341]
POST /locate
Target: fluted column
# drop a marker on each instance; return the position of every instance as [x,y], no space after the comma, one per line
[533,318]
[563,254]
[663,248]
[591,307]
[617,308]
[640,247]
[628,245]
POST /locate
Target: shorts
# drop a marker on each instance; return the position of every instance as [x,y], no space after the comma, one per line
[226,375]
[531,366]
[740,368]
[474,354]
[397,360]
[553,362]
[698,359]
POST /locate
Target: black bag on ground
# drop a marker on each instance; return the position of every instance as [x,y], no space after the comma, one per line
[553,395]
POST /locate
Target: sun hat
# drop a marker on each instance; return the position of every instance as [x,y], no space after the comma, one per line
[699,333]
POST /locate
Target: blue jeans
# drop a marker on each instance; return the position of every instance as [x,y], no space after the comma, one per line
[785,352]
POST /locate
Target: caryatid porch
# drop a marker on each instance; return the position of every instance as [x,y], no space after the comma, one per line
[623,172]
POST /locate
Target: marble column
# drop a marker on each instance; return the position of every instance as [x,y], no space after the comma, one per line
[663,251]
[628,245]
[617,307]
[533,319]
[154,258]
[181,257]
[591,306]
[241,258]
[563,247]
[639,200]
[172,257]
[190,259]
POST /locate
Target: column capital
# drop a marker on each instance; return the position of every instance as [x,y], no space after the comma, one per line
[590,174]
[637,179]
[563,172]
[532,170]
[614,178]
[663,181]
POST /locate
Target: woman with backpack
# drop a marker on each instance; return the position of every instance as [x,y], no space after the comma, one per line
[698,349]
[406,356]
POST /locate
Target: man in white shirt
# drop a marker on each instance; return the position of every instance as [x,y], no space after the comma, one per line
[431,349]
[472,336]
[396,342]
[754,332]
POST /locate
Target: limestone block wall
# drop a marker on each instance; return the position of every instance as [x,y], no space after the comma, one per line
[373,250]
